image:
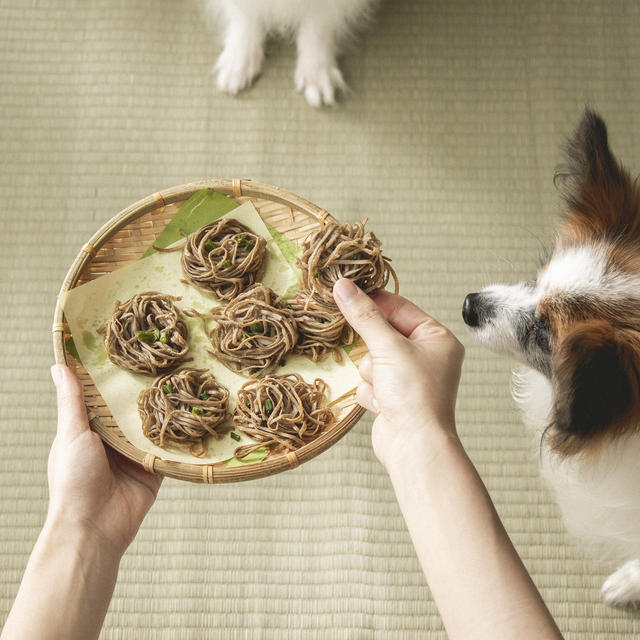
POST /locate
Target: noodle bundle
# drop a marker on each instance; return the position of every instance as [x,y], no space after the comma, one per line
[254,333]
[224,258]
[337,251]
[283,410]
[146,334]
[183,408]
[321,327]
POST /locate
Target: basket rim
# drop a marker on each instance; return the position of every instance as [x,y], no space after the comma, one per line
[208,473]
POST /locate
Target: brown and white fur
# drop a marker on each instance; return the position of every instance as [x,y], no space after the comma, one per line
[576,331]
[321,29]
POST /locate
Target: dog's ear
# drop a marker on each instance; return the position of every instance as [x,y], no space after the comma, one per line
[601,199]
[596,383]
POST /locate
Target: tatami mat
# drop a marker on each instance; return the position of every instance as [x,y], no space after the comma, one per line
[447,142]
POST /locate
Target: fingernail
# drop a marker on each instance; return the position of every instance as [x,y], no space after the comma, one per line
[345,290]
[376,406]
[56,374]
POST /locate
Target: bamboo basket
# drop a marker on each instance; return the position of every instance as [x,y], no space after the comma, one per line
[123,240]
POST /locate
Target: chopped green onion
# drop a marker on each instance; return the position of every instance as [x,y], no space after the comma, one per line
[164,337]
[226,263]
[147,336]
[235,436]
[248,404]
[167,388]
[355,256]
[318,273]
[246,336]
[256,327]
[210,246]
[204,396]
[197,410]
[240,239]
[268,405]
[249,244]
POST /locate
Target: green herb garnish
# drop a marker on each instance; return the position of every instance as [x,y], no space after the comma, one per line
[226,263]
[355,256]
[240,240]
[235,436]
[256,327]
[149,336]
[167,388]
[204,396]
[249,244]
[268,405]
[318,273]
[197,410]
[164,337]
[210,246]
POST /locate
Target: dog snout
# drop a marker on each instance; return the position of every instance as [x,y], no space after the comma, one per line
[475,310]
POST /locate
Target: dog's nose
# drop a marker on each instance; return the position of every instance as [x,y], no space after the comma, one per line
[470,310]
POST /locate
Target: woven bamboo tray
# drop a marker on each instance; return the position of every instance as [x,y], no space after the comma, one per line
[122,241]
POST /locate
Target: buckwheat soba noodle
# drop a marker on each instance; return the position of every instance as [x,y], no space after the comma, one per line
[183,408]
[224,258]
[337,251]
[321,327]
[146,334]
[254,333]
[281,410]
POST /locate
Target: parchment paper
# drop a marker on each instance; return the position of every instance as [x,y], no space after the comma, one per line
[88,306]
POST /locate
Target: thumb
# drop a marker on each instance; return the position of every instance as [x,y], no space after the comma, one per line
[362,313]
[72,414]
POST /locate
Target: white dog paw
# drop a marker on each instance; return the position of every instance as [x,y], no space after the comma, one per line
[238,66]
[622,588]
[319,82]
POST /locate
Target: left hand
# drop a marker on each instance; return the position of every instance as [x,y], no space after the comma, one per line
[91,486]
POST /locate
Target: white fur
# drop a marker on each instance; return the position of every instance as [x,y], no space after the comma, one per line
[499,332]
[623,587]
[599,497]
[572,273]
[586,271]
[321,28]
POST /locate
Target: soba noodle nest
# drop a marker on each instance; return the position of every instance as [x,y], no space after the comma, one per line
[224,258]
[321,327]
[337,251]
[146,334]
[183,408]
[254,333]
[283,410]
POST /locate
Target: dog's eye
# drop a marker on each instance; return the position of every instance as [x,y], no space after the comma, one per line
[541,332]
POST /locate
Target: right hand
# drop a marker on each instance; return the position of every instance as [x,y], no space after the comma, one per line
[410,375]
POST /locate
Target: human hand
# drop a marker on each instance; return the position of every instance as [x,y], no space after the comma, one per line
[410,375]
[91,486]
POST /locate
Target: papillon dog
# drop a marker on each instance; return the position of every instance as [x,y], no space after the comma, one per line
[576,331]
[321,29]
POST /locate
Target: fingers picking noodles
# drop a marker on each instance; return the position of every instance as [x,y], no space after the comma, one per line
[321,327]
[337,251]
